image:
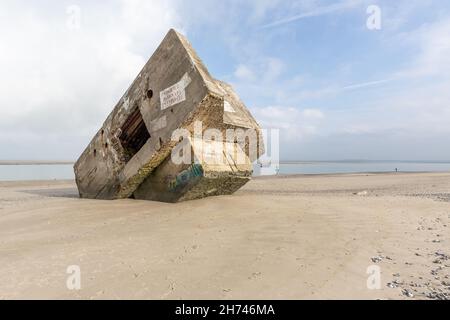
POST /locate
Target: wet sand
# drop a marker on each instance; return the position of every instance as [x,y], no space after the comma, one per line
[293,237]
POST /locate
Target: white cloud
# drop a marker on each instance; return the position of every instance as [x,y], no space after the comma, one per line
[396,15]
[316,11]
[260,70]
[435,49]
[366,84]
[58,85]
[313,114]
[273,69]
[58,81]
[244,73]
[295,124]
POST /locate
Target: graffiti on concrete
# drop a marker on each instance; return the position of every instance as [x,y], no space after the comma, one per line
[194,171]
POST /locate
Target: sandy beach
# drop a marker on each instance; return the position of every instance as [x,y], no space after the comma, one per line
[292,237]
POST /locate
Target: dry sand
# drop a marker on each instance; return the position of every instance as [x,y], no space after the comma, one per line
[296,237]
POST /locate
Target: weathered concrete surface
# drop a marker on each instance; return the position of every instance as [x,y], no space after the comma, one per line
[205,177]
[130,156]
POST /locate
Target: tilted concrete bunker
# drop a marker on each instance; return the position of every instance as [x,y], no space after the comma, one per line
[132,155]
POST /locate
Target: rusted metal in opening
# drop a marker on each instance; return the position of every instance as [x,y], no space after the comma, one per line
[134,134]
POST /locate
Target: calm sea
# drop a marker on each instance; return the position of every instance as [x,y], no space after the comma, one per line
[36,172]
[362,167]
[65,171]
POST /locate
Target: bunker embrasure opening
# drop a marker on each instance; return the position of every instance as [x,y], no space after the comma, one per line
[134,134]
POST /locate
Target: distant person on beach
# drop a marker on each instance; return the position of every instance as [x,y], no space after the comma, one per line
[396,169]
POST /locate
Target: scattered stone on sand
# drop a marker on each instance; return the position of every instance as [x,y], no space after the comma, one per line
[380,257]
[407,293]
[442,256]
[377,259]
[395,284]
[392,285]
[438,295]
[434,272]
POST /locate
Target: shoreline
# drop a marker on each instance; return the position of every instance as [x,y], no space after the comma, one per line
[270,177]
[365,161]
[286,162]
[338,174]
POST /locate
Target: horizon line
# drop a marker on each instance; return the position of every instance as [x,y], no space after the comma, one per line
[285,161]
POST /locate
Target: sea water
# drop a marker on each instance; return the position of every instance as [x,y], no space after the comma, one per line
[65,171]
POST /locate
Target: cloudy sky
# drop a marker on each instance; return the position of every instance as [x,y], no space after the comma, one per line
[336,88]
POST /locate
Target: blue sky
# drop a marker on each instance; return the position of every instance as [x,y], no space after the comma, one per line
[336,89]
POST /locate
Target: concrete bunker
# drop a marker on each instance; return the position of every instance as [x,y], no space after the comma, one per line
[131,155]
